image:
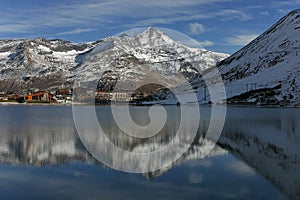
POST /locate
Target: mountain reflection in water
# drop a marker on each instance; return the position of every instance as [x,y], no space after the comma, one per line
[266,139]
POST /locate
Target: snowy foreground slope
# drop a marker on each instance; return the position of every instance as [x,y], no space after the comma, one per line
[267,70]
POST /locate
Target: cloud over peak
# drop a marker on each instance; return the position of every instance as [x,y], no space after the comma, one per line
[196,28]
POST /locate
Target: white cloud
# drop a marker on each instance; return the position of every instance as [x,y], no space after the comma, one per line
[105,13]
[233,14]
[15,28]
[196,28]
[106,10]
[206,43]
[280,4]
[240,39]
[75,31]
[169,20]
[224,15]
[264,13]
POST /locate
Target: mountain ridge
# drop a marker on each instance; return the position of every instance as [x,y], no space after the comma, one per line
[40,64]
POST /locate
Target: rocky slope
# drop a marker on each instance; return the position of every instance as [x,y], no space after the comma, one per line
[37,64]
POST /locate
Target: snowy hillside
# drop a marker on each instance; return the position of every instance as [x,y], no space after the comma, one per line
[267,70]
[36,64]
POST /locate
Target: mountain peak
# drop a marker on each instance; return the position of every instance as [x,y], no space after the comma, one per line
[154,37]
[152,32]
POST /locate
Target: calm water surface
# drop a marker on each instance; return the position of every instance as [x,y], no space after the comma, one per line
[257,157]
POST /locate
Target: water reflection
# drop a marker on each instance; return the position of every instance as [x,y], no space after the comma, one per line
[267,140]
[39,136]
[119,150]
[47,135]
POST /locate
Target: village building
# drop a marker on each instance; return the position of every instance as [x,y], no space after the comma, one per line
[39,97]
[63,95]
[103,97]
[13,97]
[3,97]
[121,96]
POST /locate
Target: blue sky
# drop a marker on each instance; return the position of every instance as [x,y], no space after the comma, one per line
[219,25]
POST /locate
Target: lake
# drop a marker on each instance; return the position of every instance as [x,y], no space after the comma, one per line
[42,156]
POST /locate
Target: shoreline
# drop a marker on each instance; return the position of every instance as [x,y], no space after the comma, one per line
[201,105]
[32,104]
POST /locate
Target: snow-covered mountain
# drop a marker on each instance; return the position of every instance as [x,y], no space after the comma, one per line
[49,64]
[37,63]
[151,55]
[267,70]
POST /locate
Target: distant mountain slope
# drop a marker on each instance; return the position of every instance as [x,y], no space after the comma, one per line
[48,64]
[37,64]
